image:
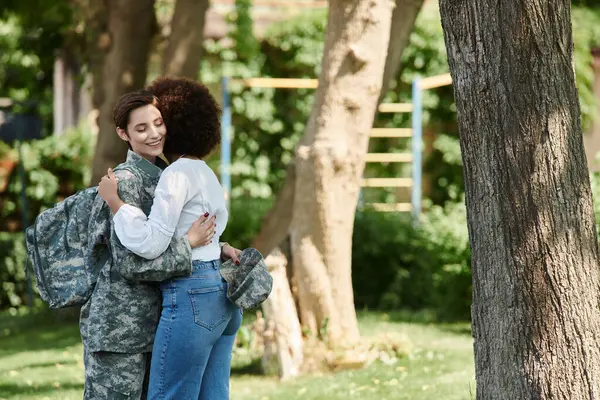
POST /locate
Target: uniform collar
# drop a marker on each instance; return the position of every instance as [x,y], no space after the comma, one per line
[140,162]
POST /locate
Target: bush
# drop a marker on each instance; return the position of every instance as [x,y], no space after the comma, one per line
[55,167]
[396,265]
[245,220]
[13,287]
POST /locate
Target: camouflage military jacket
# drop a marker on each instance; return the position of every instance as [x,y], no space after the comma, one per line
[123,312]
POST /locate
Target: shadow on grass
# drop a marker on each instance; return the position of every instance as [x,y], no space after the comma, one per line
[13,389]
[41,365]
[253,368]
[457,328]
[36,332]
[423,317]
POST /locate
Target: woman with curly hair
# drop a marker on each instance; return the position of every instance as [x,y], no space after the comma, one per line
[194,340]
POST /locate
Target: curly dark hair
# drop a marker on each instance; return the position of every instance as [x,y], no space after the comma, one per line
[191,114]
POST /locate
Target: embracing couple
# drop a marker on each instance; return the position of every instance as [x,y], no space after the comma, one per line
[164,253]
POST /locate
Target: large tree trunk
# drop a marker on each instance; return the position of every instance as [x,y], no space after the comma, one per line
[330,162]
[119,65]
[276,224]
[184,48]
[529,205]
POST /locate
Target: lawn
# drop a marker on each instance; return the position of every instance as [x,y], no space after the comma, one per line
[40,358]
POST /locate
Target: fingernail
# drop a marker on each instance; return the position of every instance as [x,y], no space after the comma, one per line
[206,214]
[237,263]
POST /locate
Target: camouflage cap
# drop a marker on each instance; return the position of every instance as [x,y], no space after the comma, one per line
[249,284]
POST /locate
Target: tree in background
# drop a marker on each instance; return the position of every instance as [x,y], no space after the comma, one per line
[276,224]
[185,43]
[329,164]
[529,203]
[31,33]
[120,35]
[118,39]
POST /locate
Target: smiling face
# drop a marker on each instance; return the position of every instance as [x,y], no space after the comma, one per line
[145,132]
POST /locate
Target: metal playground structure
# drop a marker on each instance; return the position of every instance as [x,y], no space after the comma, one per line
[415,133]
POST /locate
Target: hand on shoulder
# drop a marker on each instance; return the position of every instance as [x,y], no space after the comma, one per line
[107,189]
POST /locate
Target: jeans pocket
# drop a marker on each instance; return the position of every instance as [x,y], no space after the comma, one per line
[208,305]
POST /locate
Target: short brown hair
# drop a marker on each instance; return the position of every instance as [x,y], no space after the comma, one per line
[129,102]
[191,114]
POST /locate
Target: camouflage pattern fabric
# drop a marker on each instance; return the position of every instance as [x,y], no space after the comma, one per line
[56,246]
[248,284]
[123,311]
[116,376]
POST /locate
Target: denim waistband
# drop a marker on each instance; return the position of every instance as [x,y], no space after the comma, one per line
[198,265]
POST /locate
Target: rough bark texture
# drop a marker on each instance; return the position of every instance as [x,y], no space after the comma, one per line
[184,48]
[330,162]
[119,55]
[276,224]
[283,334]
[403,20]
[529,205]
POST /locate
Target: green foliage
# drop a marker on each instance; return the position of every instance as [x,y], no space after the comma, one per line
[245,219]
[586,3]
[55,167]
[444,169]
[595,181]
[31,33]
[396,266]
[586,36]
[242,31]
[12,270]
[267,123]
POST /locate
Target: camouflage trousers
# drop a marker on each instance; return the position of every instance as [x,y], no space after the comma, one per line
[116,376]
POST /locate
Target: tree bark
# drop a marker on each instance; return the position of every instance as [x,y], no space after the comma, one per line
[330,162]
[184,48]
[529,205]
[276,224]
[283,334]
[403,21]
[119,65]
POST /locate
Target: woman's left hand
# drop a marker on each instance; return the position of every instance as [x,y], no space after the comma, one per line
[230,253]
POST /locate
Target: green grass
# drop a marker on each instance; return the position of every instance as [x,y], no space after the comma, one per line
[40,358]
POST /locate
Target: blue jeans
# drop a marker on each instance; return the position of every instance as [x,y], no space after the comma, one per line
[191,358]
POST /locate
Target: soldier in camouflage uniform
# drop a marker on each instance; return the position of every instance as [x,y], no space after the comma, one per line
[119,321]
[197,328]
